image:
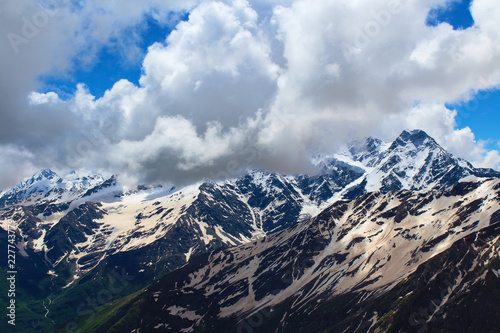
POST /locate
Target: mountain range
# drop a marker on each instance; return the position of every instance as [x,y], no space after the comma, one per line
[352,246]
[404,261]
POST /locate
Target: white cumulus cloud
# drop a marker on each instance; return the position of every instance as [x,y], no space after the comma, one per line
[263,84]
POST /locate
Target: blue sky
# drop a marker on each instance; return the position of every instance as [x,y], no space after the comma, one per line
[456,13]
[111,64]
[482,113]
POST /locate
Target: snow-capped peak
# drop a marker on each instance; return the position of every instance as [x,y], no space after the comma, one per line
[414,160]
[415,138]
[45,173]
[48,185]
[41,182]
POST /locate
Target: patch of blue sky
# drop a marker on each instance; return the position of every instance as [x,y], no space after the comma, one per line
[482,113]
[455,12]
[111,64]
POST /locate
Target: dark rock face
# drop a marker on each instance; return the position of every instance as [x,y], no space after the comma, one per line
[72,229]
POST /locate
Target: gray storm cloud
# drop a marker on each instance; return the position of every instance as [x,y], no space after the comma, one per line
[265,85]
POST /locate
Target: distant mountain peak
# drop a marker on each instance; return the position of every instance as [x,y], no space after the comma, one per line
[413,132]
[416,137]
[372,143]
[47,173]
[47,185]
[44,176]
[39,176]
[366,151]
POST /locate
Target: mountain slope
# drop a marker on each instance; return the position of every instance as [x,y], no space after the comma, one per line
[359,250]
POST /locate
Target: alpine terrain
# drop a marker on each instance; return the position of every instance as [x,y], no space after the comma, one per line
[399,236]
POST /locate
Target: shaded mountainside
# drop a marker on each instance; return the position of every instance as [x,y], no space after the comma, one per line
[381,262]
